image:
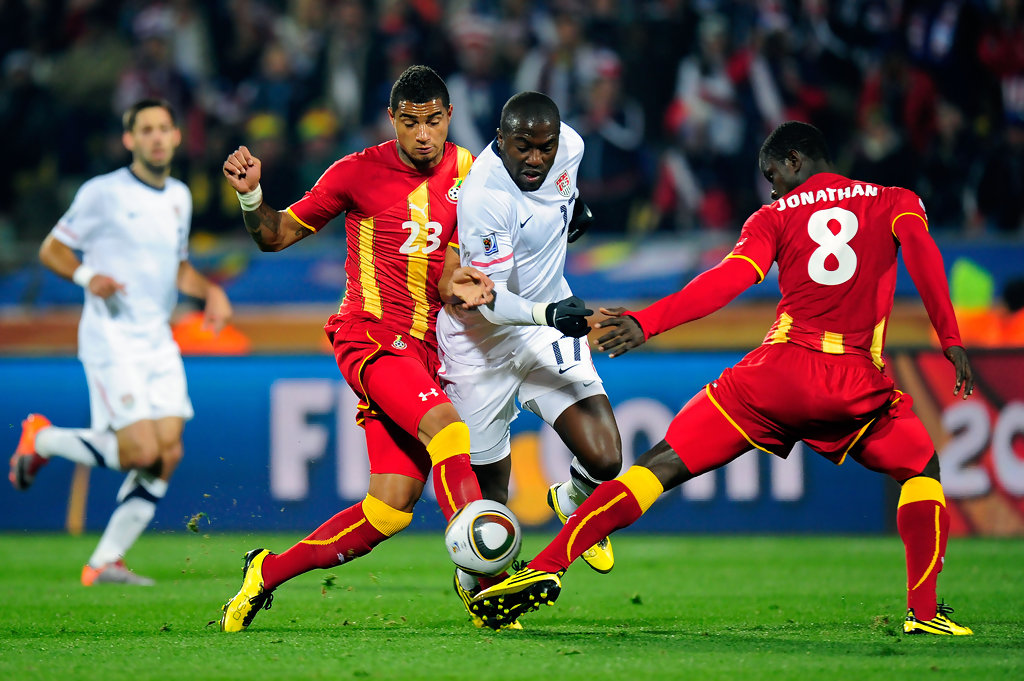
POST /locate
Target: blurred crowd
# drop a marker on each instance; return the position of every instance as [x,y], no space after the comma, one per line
[673,97]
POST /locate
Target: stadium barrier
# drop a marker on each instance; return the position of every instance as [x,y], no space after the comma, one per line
[274,446]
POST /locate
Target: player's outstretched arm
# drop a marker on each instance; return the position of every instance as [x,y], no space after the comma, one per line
[964,375]
[272,230]
[217,310]
[59,258]
[625,333]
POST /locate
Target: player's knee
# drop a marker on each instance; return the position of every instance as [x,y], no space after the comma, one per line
[142,454]
[385,518]
[171,454]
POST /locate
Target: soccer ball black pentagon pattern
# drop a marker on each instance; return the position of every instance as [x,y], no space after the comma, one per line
[483,537]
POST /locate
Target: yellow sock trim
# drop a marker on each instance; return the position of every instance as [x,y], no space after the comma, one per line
[572,537]
[921,489]
[386,520]
[331,540]
[644,485]
[450,441]
[935,555]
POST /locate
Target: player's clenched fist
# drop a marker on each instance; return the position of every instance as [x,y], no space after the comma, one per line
[625,332]
[242,170]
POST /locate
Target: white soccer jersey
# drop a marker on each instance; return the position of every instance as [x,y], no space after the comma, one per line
[514,237]
[138,235]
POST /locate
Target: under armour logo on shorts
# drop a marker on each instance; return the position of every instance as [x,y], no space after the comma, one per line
[432,393]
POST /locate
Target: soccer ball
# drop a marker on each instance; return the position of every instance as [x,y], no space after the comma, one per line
[483,537]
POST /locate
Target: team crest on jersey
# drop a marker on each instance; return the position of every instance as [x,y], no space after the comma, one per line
[563,184]
[398,343]
[128,400]
[490,242]
[453,193]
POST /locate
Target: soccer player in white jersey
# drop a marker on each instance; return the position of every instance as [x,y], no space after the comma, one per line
[515,211]
[132,228]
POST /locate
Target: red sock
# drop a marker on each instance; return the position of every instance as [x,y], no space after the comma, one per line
[923,524]
[344,537]
[455,484]
[612,506]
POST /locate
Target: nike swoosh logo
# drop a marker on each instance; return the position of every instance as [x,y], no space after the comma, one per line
[562,371]
[589,383]
[523,223]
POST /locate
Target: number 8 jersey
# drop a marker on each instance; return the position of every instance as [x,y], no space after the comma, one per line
[835,241]
[399,222]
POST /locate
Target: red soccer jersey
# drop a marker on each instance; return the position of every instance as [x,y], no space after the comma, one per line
[835,242]
[399,223]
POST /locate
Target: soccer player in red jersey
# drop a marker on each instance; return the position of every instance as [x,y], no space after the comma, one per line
[818,376]
[399,201]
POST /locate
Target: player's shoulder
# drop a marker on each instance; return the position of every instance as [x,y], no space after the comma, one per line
[107,181]
[177,187]
[569,137]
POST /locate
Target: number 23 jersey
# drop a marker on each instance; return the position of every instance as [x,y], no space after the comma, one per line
[835,244]
[398,224]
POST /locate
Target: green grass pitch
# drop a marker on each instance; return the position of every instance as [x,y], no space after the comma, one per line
[676,607]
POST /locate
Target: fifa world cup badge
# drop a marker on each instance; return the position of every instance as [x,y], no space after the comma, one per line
[563,184]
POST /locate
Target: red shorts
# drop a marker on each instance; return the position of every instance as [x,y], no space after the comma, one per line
[395,378]
[838,405]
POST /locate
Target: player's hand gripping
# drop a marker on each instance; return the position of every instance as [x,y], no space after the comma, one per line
[625,333]
[569,316]
[472,287]
[964,376]
[103,286]
[217,310]
[242,170]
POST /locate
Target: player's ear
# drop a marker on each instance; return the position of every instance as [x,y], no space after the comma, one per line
[128,141]
[795,160]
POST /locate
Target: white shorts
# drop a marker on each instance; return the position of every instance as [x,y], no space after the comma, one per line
[549,373]
[126,391]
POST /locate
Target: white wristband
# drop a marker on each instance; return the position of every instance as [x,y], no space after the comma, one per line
[251,200]
[540,314]
[82,275]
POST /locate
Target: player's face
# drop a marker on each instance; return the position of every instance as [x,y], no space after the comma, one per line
[421,129]
[782,175]
[528,152]
[153,139]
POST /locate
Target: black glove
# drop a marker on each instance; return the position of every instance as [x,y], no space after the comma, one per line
[581,219]
[568,316]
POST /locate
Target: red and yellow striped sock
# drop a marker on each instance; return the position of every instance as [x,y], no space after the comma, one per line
[923,524]
[455,483]
[613,505]
[349,534]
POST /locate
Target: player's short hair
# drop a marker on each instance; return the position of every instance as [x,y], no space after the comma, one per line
[795,136]
[528,106]
[419,84]
[128,119]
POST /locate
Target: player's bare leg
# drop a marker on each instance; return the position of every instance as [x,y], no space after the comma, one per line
[589,430]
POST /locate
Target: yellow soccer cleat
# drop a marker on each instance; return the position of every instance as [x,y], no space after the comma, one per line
[599,556]
[523,592]
[251,598]
[466,596]
[940,625]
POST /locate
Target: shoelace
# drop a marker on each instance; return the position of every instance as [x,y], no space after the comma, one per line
[262,606]
[944,609]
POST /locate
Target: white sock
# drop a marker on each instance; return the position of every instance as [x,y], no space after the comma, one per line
[137,501]
[81,445]
[468,581]
[576,489]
